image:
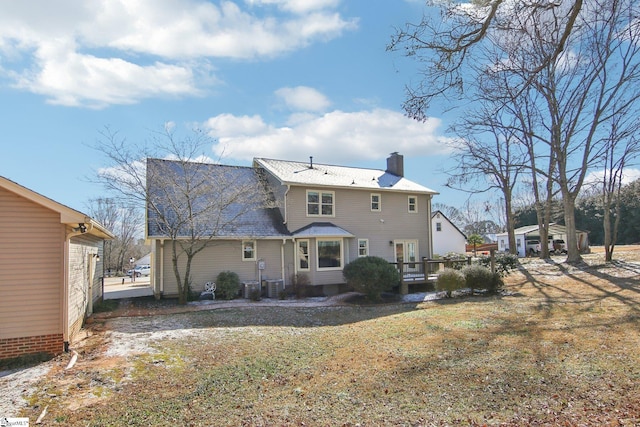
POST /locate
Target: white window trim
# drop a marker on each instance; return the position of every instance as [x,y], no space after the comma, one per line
[308,255]
[415,204]
[320,192]
[366,247]
[379,202]
[337,239]
[255,250]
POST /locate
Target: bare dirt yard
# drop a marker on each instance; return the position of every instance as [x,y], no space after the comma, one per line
[560,346]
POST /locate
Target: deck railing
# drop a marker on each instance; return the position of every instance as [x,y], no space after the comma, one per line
[425,271]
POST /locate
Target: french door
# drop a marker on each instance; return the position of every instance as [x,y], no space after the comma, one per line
[407,253]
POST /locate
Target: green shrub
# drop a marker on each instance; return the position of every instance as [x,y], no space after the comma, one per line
[371,275]
[505,262]
[496,284]
[478,277]
[227,285]
[455,260]
[450,280]
[255,295]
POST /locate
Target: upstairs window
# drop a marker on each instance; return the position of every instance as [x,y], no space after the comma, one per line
[413,204]
[438,226]
[320,203]
[376,205]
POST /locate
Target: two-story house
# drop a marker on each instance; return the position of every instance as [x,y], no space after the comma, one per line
[324,216]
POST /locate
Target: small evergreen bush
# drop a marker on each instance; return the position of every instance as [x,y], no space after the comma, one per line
[479,277]
[505,262]
[496,284]
[371,275]
[255,295]
[450,280]
[455,260]
[227,285]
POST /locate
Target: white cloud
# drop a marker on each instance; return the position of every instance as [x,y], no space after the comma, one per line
[335,137]
[297,6]
[120,51]
[70,79]
[594,179]
[303,98]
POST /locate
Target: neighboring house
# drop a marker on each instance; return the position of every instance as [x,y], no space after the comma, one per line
[528,234]
[325,217]
[50,272]
[446,236]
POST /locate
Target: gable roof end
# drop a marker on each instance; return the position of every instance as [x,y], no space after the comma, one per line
[68,215]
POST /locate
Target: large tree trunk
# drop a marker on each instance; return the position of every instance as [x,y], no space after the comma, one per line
[606,225]
[573,255]
[511,226]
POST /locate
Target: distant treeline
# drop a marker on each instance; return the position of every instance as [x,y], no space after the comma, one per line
[589,216]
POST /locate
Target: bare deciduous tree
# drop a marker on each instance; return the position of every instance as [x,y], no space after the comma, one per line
[126,222]
[621,151]
[577,64]
[190,204]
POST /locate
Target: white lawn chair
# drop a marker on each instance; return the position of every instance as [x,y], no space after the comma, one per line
[210,288]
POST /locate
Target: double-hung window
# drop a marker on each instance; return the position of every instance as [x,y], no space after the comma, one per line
[303,255]
[413,204]
[248,250]
[376,202]
[320,203]
[363,247]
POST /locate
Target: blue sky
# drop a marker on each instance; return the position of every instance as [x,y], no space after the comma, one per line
[284,79]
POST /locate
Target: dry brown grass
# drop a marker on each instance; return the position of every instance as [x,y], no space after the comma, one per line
[559,348]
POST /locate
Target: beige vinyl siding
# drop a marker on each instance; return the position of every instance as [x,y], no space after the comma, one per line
[353,213]
[31,261]
[223,256]
[82,268]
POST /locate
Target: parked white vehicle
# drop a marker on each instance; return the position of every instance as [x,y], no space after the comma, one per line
[557,246]
[140,270]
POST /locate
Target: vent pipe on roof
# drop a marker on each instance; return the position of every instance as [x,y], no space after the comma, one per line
[395,164]
[310,162]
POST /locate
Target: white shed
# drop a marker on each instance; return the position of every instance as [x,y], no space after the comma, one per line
[529,232]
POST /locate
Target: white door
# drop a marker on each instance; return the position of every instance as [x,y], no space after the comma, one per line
[407,253]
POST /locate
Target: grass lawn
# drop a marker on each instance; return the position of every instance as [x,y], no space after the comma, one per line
[560,347]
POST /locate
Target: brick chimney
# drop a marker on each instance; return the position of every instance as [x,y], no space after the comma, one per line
[395,164]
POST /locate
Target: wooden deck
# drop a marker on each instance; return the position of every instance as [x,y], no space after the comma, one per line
[418,273]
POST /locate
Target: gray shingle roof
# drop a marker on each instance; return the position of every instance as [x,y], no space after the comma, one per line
[321,229]
[228,201]
[299,173]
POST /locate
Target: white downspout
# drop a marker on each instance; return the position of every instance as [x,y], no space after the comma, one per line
[429,197]
[285,203]
[161,267]
[284,279]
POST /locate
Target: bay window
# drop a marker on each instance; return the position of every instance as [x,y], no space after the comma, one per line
[329,252]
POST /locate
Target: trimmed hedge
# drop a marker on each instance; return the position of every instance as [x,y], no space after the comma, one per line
[450,280]
[479,277]
[371,276]
[227,285]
